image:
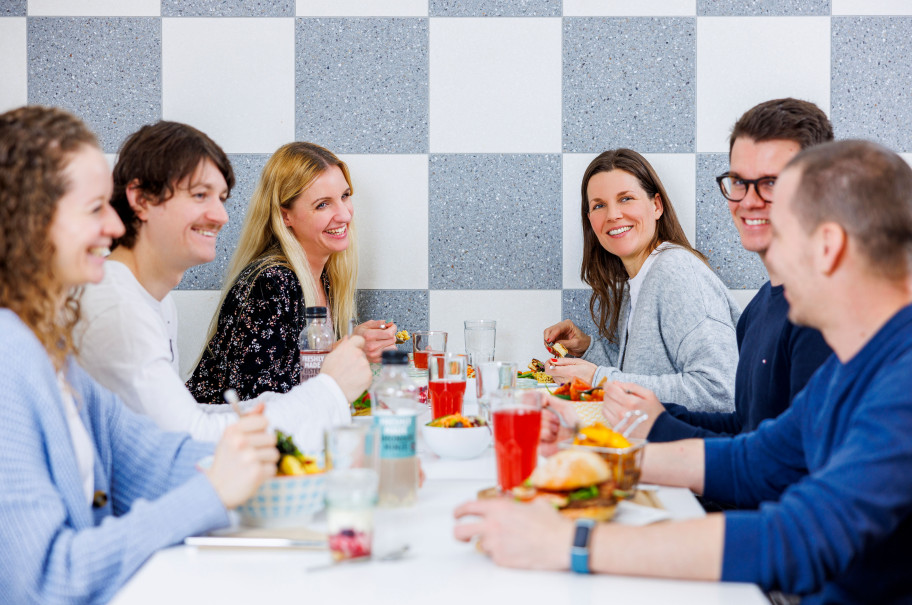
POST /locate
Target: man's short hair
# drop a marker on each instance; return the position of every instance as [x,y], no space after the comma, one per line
[159,156]
[786,119]
[867,189]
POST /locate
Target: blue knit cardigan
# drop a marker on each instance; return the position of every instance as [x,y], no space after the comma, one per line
[54,546]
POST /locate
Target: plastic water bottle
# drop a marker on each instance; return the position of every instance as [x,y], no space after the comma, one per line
[394,405]
[315,342]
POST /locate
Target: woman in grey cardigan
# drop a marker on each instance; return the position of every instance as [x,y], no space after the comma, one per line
[665,320]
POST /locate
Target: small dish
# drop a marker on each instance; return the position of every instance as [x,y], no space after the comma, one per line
[458,443]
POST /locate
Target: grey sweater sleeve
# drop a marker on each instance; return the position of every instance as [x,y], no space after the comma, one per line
[682,342]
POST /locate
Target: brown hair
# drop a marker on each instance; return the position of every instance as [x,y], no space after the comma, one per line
[604,271]
[159,156]
[866,189]
[36,146]
[788,119]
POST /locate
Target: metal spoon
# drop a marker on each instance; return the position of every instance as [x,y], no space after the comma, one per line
[393,555]
[231,397]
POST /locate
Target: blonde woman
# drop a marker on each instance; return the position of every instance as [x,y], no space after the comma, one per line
[297,249]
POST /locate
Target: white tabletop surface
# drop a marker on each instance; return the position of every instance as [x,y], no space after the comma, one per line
[438,570]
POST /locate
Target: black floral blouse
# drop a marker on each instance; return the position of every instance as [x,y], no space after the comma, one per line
[255,346]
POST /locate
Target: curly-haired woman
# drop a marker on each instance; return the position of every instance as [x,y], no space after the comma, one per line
[90,490]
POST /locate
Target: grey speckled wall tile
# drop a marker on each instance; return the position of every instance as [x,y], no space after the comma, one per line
[762,7]
[14,8]
[361,85]
[495,222]
[228,8]
[107,70]
[409,309]
[495,8]
[575,307]
[717,236]
[629,82]
[247,169]
[871,96]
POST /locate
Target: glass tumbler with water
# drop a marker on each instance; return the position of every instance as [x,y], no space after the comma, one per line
[480,336]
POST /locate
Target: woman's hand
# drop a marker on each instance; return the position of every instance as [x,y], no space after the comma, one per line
[503,531]
[348,366]
[378,337]
[566,369]
[552,432]
[623,397]
[566,333]
[245,456]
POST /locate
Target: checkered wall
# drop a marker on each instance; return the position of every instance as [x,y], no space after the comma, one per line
[466,124]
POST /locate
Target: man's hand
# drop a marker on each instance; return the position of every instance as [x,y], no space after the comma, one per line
[348,366]
[528,536]
[566,333]
[245,456]
[566,369]
[552,432]
[376,339]
[623,397]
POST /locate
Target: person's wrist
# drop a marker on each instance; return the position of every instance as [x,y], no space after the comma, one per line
[579,550]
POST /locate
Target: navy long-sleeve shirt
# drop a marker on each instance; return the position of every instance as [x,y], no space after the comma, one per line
[777,358]
[832,477]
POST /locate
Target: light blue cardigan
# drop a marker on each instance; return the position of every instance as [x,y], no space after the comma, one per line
[54,547]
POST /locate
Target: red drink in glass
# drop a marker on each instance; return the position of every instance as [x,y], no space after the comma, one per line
[420,359]
[446,397]
[516,433]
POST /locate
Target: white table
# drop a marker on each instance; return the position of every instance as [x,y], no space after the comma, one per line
[438,570]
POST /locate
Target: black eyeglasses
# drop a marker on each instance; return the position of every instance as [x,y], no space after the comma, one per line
[735,189]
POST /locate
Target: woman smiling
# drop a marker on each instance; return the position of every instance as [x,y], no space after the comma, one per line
[664,319]
[89,489]
[297,249]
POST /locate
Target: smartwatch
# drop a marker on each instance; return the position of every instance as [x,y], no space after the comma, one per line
[579,553]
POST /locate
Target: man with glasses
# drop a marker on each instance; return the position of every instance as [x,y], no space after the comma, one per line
[828,480]
[776,358]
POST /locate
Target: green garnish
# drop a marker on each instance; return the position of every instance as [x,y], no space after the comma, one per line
[286,446]
[364,401]
[584,493]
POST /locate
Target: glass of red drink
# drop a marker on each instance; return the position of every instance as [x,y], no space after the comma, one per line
[516,415]
[425,342]
[446,383]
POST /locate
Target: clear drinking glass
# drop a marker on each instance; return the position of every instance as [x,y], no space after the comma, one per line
[516,417]
[425,342]
[492,376]
[351,446]
[446,383]
[480,337]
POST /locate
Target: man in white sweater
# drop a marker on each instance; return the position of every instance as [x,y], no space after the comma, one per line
[170,186]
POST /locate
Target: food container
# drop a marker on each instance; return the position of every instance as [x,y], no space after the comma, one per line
[589,412]
[285,501]
[625,462]
[459,443]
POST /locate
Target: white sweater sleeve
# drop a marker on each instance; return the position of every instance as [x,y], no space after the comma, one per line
[126,348]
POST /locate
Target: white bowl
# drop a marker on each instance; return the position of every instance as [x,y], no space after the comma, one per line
[459,443]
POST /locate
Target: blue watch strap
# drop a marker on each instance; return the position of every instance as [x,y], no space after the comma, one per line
[579,553]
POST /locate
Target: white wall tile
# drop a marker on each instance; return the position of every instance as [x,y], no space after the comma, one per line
[521,315]
[907,157]
[678,174]
[14,63]
[495,85]
[623,8]
[195,309]
[362,8]
[231,78]
[391,206]
[742,297]
[94,8]
[742,61]
[872,7]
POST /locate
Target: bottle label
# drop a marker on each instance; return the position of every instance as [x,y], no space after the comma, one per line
[311,363]
[397,435]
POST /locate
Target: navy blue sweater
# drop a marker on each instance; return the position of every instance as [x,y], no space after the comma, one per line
[777,358]
[832,477]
